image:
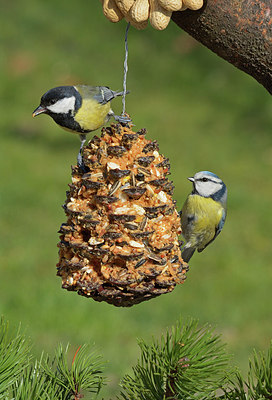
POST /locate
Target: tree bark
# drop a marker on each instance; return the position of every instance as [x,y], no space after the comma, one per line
[240,31]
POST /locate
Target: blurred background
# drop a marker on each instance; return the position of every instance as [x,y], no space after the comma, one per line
[205,114]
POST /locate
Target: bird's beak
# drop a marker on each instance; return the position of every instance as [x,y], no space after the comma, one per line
[39,110]
[191,179]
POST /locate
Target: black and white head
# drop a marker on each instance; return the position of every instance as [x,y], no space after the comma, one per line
[207,184]
[60,103]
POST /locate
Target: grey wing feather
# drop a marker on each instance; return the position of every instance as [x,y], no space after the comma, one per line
[105,94]
[221,224]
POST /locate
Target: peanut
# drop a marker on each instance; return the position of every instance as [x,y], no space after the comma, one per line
[137,25]
[140,11]
[193,4]
[159,16]
[124,5]
[111,11]
[171,5]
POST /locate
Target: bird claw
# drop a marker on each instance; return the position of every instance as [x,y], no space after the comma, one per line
[80,163]
[122,119]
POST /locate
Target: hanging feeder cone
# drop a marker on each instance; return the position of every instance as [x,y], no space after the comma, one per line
[120,243]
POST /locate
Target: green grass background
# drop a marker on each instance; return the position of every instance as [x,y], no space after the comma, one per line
[205,114]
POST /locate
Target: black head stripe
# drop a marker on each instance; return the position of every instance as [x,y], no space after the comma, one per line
[217,196]
[60,92]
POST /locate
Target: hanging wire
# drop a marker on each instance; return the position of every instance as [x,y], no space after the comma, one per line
[125,70]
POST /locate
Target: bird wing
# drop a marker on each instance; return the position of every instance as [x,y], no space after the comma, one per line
[102,94]
[218,228]
[221,224]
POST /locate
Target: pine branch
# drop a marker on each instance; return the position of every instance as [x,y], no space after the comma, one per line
[34,384]
[14,357]
[188,363]
[259,382]
[85,372]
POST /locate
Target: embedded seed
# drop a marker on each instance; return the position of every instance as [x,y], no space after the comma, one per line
[117,173]
[94,241]
[145,161]
[133,181]
[141,235]
[144,171]
[112,165]
[114,188]
[135,193]
[121,210]
[133,243]
[139,210]
[105,199]
[174,259]
[112,235]
[158,260]
[116,151]
[92,184]
[140,263]
[143,223]
[162,197]
[122,217]
[131,227]
[151,146]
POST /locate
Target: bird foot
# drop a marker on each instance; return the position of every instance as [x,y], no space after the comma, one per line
[122,119]
[80,163]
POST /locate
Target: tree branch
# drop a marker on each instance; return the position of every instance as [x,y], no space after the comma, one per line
[240,31]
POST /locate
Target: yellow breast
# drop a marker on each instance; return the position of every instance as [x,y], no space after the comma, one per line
[200,219]
[92,115]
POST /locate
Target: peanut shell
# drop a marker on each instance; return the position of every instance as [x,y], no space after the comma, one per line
[193,4]
[171,5]
[140,10]
[111,11]
[124,5]
[159,16]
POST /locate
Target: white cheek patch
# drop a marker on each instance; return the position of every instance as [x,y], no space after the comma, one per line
[63,106]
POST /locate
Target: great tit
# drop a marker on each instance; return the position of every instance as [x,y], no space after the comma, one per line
[203,213]
[79,109]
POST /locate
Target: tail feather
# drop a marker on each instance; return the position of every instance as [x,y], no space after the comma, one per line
[187,253]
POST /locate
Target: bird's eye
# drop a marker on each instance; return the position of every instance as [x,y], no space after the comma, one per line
[204,179]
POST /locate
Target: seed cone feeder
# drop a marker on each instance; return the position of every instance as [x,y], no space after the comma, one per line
[120,242]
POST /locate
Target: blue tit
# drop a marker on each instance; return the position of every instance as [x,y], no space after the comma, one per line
[203,213]
[79,109]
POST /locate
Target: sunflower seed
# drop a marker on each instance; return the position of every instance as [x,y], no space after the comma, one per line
[151,146]
[135,192]
[114,187]
[140,263]
[116,151]
[117,173]
[105,199]
[144,171]
[145,161]
[121,217]
[143,223]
